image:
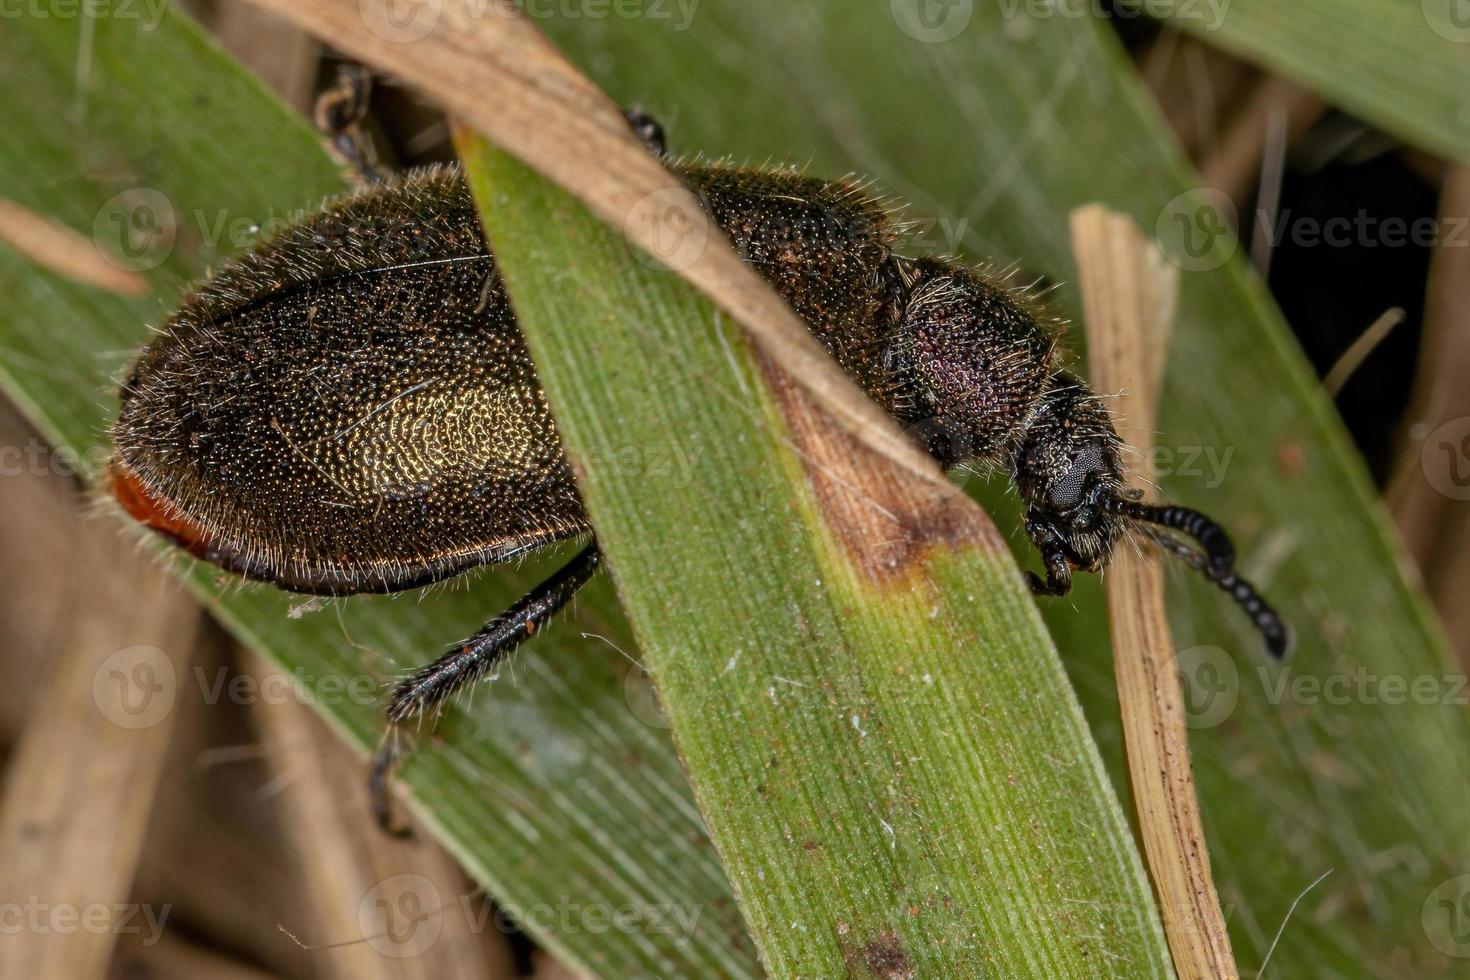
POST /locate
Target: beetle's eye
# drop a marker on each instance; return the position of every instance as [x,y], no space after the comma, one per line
[1067,492]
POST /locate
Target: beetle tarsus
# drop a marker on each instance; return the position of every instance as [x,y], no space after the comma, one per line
[429,687]
[648,130]
[1058,581]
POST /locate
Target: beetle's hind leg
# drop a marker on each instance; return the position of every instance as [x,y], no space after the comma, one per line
[429,687]
[648,130]
[341,115]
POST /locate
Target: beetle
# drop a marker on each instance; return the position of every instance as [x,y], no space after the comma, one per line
[350,406]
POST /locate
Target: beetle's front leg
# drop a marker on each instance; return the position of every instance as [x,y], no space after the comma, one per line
[1054,555]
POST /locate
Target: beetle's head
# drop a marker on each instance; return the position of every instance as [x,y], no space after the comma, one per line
[1068,470]
[980,383]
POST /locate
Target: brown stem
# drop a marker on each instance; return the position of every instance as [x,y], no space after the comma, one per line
[1128,300]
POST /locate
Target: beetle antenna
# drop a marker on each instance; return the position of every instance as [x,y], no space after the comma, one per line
[1219,551]
[1266,619]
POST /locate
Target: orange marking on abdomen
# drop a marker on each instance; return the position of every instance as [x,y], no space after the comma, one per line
[155,513]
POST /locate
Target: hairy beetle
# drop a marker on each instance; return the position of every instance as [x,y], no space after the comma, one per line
[350,407]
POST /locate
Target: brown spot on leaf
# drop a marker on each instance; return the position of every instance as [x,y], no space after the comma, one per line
[883,957]
[1291,458]
[887,518]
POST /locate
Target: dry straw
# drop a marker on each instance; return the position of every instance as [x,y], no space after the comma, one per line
[1128,298]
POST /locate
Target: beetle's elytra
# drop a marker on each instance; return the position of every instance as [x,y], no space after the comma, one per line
[350,407]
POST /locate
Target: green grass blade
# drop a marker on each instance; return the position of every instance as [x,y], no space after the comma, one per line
[558,787]
[995,135]
[1403,65]
[887,752]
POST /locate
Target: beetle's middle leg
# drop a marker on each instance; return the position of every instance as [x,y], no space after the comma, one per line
[341,115]
[429,687]
[648,130]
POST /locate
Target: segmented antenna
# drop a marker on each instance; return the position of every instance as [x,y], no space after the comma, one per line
[1272,627]
[1219,551]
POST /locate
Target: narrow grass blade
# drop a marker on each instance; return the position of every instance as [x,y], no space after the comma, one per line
[883,743]
[1403,65]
